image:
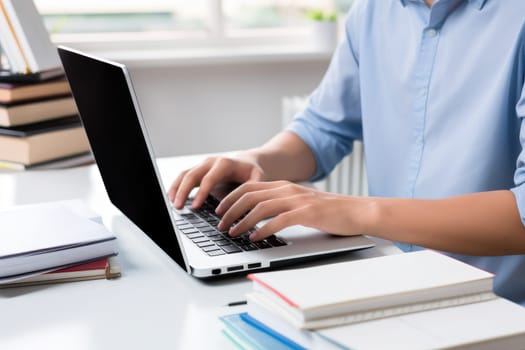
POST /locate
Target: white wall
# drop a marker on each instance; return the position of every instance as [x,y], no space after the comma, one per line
[218,107]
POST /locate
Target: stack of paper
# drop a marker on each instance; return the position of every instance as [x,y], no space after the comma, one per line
[419,300]
[42,238]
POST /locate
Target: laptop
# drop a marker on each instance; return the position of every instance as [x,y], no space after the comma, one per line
[110,113]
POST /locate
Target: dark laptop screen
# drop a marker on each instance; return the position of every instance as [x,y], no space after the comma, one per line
[112,124]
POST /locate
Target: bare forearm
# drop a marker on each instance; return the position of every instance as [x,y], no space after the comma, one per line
[485,223]
[284,157]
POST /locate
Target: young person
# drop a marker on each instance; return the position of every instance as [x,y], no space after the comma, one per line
[435,89]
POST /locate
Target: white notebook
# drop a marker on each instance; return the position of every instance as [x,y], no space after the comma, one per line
[41,238]
[356,291]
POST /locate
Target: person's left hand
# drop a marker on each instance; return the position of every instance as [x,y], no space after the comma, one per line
[290,204]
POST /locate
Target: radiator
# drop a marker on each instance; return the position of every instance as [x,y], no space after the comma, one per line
[349,176]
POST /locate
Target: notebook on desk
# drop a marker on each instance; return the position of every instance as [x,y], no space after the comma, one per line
[118,137]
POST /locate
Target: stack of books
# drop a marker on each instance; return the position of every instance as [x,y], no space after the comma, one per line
[40,127]
[39,123]
[105,268]
[54,242]
[419,300]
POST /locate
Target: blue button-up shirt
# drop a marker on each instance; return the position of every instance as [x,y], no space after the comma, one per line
[437,96]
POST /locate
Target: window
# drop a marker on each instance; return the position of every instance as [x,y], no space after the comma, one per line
[121,24]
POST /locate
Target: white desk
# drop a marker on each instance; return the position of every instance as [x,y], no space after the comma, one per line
[154,305]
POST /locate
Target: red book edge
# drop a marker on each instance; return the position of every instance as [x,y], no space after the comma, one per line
[273,290]
[101,264]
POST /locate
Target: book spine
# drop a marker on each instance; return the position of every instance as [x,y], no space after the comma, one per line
[275,325]
[397,311]
[262,283]
[51,98]
[21,114]
[262,327]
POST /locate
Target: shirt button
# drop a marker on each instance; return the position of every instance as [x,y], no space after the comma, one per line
[431,33]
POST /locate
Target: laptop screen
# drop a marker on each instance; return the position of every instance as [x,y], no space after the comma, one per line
[105,102]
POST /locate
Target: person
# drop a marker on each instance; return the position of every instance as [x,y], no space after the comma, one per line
[435,89]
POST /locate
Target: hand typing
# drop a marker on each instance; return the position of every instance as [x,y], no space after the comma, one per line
[290,204]
[210,173]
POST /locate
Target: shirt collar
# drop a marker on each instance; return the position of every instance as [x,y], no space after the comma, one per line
[478,4]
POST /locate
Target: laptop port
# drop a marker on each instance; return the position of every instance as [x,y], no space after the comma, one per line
[215,271]
[234,268]
[254,265]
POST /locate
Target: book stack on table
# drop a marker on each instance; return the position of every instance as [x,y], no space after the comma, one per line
[55,242]
[105,268]
[40,127]
[39,123]
[418,300]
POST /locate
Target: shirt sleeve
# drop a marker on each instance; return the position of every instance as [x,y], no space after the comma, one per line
[331,120]
[519,175]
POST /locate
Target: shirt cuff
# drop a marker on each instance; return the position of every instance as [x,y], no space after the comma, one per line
[519,193]
[301,130]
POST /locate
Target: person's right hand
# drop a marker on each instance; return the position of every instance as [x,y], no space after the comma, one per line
[213,171]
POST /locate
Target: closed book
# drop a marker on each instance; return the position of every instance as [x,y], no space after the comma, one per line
[254,335]
[37,143]
[276,327]
[356,291]
[80,159]
[46,237]
[71,121]
[15,91]
[19,113]
[106,268]
[34,77]
[493,324]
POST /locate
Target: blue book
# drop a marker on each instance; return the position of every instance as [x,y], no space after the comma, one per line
[248,333]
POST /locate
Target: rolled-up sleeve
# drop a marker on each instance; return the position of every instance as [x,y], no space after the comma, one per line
[331,120]
[519,175]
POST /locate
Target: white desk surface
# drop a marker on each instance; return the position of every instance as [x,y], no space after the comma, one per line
[154,305]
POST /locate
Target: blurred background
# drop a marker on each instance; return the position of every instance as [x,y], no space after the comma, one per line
[179,18]
[211,75]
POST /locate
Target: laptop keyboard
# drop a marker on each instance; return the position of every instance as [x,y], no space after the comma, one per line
[200,226]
